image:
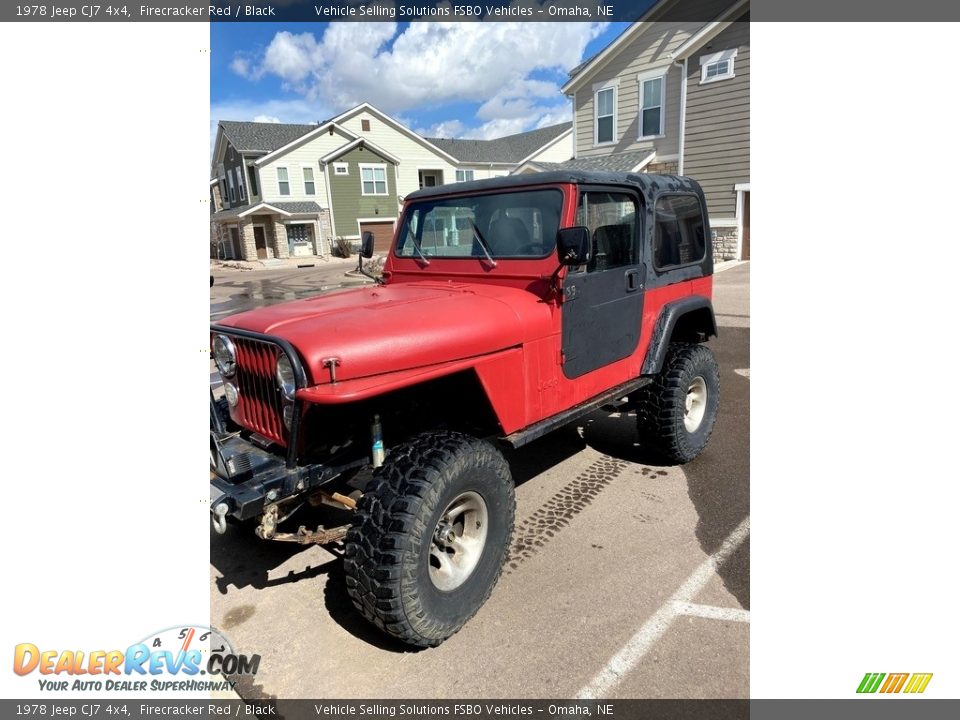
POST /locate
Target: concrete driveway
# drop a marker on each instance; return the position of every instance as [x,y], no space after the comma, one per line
[625,579]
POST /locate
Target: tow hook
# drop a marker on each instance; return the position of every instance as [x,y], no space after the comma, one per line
[220,518]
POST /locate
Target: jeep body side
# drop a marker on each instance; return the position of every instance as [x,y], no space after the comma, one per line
[507,308]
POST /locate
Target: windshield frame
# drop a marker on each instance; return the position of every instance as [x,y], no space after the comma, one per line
[415,204]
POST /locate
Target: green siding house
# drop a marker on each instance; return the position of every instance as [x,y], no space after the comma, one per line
[363,188]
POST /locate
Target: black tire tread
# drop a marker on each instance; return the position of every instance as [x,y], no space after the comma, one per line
[386,526]
[660,405]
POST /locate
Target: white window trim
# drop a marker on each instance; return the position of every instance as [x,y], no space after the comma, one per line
[661,74]
[233,196]
[465,170]
[337,167]
[597,89]
[386,184]
[288,181]
[256,181]
[239,171]
[712,59]
[304,176]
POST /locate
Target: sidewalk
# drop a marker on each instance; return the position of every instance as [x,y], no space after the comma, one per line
[282,263]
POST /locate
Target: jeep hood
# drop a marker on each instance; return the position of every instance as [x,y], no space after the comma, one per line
[400,326]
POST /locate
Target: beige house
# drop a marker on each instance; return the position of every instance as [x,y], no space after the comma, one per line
[673,97]
[281,190]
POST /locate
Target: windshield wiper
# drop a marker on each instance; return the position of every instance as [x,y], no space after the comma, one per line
[416,246]
[483,244]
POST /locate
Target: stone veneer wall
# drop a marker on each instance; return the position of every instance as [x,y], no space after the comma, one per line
[724,242]
[664,168]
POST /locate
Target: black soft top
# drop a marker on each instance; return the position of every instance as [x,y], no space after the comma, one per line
[649,185]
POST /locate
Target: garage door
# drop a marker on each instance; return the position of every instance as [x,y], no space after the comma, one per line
[382,235]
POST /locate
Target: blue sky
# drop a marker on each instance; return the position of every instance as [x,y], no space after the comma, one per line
[446,79]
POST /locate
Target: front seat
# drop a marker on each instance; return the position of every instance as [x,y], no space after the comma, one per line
[509,236]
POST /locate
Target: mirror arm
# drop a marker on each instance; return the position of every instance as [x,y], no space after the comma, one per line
[363,271]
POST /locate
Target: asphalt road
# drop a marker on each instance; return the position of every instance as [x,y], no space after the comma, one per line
[626,579]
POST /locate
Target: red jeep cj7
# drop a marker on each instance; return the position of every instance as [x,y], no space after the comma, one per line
[507,308]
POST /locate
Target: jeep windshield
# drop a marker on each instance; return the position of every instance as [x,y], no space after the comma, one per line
[520,224]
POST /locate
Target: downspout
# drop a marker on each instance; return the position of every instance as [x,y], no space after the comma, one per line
[333,222]
[573,104]
[683,115]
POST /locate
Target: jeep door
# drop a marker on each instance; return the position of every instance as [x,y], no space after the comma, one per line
[603,300]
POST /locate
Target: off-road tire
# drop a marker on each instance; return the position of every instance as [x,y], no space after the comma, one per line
[661,405]
[386,559]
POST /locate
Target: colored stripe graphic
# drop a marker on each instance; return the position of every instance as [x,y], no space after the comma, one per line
[894,682]
[918,682]
[870,682]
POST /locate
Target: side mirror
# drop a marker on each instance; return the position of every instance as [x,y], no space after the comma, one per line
[366,245]
[573,246]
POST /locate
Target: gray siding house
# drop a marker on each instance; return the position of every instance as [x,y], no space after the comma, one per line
[673,97]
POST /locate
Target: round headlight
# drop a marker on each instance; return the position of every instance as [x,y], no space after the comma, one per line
[225,355]
[285,377]
[230,392]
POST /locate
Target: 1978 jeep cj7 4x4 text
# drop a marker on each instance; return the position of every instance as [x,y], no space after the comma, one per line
[508,307]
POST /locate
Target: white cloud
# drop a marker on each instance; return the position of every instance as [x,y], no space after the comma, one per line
[429,64]
[445,129]
[267,119]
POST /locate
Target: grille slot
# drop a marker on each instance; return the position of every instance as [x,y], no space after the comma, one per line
[260,406]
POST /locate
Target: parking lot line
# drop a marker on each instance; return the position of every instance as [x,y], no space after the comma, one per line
[653,629]
[711,612]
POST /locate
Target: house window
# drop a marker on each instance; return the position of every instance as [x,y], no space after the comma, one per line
[239,171]
[253,180]
[605,101]
[233,191]
[283,181]
[717,66]
[365,125]
[224,195]
[679,238]
[464,175]
[341,169]
[309,187]
[373,179]
[651,108]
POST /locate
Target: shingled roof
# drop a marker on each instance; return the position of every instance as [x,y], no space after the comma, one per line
[292,208]
[249,137]
[617,162]
[509,149]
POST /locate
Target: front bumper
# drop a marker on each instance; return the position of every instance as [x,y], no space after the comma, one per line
[246,478]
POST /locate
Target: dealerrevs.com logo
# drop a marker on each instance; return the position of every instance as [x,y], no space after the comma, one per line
[911,683]
[182,658]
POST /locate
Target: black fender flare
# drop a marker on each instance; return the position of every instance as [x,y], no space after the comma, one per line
[669,317]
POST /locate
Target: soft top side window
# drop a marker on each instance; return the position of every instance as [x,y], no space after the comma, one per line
[679,232]
[612,219]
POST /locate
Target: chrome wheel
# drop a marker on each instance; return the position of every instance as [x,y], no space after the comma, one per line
[458,541]
[696,404]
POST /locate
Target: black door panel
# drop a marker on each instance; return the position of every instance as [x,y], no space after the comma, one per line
[601,320]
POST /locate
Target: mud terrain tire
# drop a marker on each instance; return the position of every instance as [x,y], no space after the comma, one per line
[677,411]
[389,559]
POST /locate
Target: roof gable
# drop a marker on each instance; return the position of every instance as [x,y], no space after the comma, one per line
[674,12]
[360,142]
[395,125]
